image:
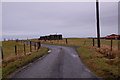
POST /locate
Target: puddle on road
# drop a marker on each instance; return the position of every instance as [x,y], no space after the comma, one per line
[49,51]
[74,55]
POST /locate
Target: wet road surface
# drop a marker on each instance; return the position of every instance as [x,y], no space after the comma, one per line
[61,62]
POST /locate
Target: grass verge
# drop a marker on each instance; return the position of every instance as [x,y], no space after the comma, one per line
[12,66]
[99,64]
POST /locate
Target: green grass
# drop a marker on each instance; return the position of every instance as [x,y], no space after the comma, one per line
[85,41]
[98,63]
[12,66]
[105,44]
[9,48]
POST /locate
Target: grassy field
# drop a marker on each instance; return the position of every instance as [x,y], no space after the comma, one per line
[88,42]
[98,63]
[11,61]
[105,45]
[9,48]
[93,58]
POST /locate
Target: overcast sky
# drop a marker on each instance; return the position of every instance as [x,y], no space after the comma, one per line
[72,19]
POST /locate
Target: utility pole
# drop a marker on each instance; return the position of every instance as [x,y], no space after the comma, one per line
[98,23]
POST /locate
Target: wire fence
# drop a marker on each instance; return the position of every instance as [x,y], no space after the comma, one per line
[109,47]
[18,48]
[24,47]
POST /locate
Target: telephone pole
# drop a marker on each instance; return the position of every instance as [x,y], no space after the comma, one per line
[98,23]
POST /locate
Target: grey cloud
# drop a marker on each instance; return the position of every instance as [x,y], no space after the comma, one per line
[71,19]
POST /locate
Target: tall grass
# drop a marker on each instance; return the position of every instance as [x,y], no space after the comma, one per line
[87,42]
[99,64]
[11,61]
[21,61]
[9,49]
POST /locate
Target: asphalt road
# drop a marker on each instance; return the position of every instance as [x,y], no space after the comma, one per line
[61,62]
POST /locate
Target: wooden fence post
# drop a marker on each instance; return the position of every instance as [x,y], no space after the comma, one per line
[24,49]
[15,50]
[93,42]
[118,45]
[66,41]
[2,56]
[2,52]
[111,44]
[39,45]
[30,47]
